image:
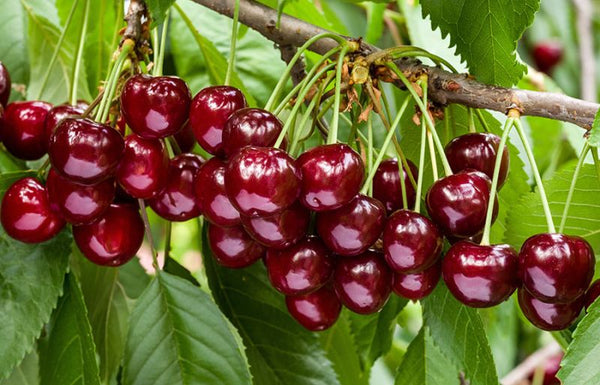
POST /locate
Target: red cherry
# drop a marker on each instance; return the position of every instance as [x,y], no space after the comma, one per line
[262,181]
[280,230]
[185,138]
[232,247]
[26,214]
[315,311]
[301,268]
[5,85]
[547,55]
[23,129]
[155,107]
[55,115]
[209,112]
[387,187]
[250,127]
[592,293]
[331,176]
[549,316]
[209,188]
[351,229]
[416,286]
[114,238]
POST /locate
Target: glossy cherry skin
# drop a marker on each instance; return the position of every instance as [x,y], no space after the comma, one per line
[411,242]
[556,268]
[416,286]
[387,187]
[155,107]
[185,138]
[301,268]
[549,316]
[209,112]
[114,238]
[547,55]
[250,127]
[55,115]
[211,197]
[26,213]
[78,203]
[5,85]
[458,203]
[262,181]
[232,247]
[481,276]
[315,311]
[85,151]
[363,283]
[143,168]
[351,229]
[331,176]
[592,293]
[23,129]
[477,151]
[280,230]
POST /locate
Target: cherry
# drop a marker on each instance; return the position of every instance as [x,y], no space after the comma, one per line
[155,107]
[301,268]
[592,293]
[85,151]
[55,115]
[26,213]
[209,188]
[387,187]
[77,203]
[549,316]
[209,112]
[262,181]
[547,55]
[185,138]
[481,275]
[331,176]
[458,203]
[416,286]
[411,242]
[477,151]
[23,129]
[232,247]
[280,230]
[143,168]
[5,85]
[114,238]
[351,229]
[556,268]
[315,311]
[363,283]
[250,126]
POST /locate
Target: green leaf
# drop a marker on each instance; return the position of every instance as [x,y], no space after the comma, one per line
[307,10]
[594,138]
[13,45]
[374,22]
[8,178]
[173,267]
[32,280]
[501,325]
[485,34]
[178,336]
[158,10]
[67,352]
[133,278]
[26,373]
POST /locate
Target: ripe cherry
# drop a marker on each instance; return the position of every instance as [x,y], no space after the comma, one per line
[280,230]
[481,276]
[55,115]
[26,213]
[315,311]
[416,286]
[155,107]
[351,229]
[209,112]
[185,138]
[232,247]
[547,55]
[114,238]
[592,293]
[23,129]
[387,187]
[331,176]
[556,268]
[5,85]
[209,188]
[549,316]
[250,127]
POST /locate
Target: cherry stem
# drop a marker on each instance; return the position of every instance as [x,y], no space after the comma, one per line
[79,54]
[234,32]
[149,236]
[168,232]
[485,238]
[479,114]
[563,220]
[421,171]
[110,87]
[536,175]
[160,59]
[333,129]
[41,173]
[300,129]
[472,128]
[594,152]
[408,51]
[434,165]
[370,167]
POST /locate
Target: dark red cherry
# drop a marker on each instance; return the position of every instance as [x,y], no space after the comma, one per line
[331,176]
[250,127]
[353,228]
[209,112]
[363,283]
[556,268]
[315,311]
[232,247]
[477,151]
[26,213]
[77,203]
[55,115]
[387,187]
[5,85]
[416,286]
[85,151]
[547,55]
[143,168]
[592,293]
[301,268]
[279,230]
[411,242]
[458,203]
[209,188]
[481,276]
[549,316]
[185,138]
[23,129]
[114,238]
[262,181]
[155,107]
